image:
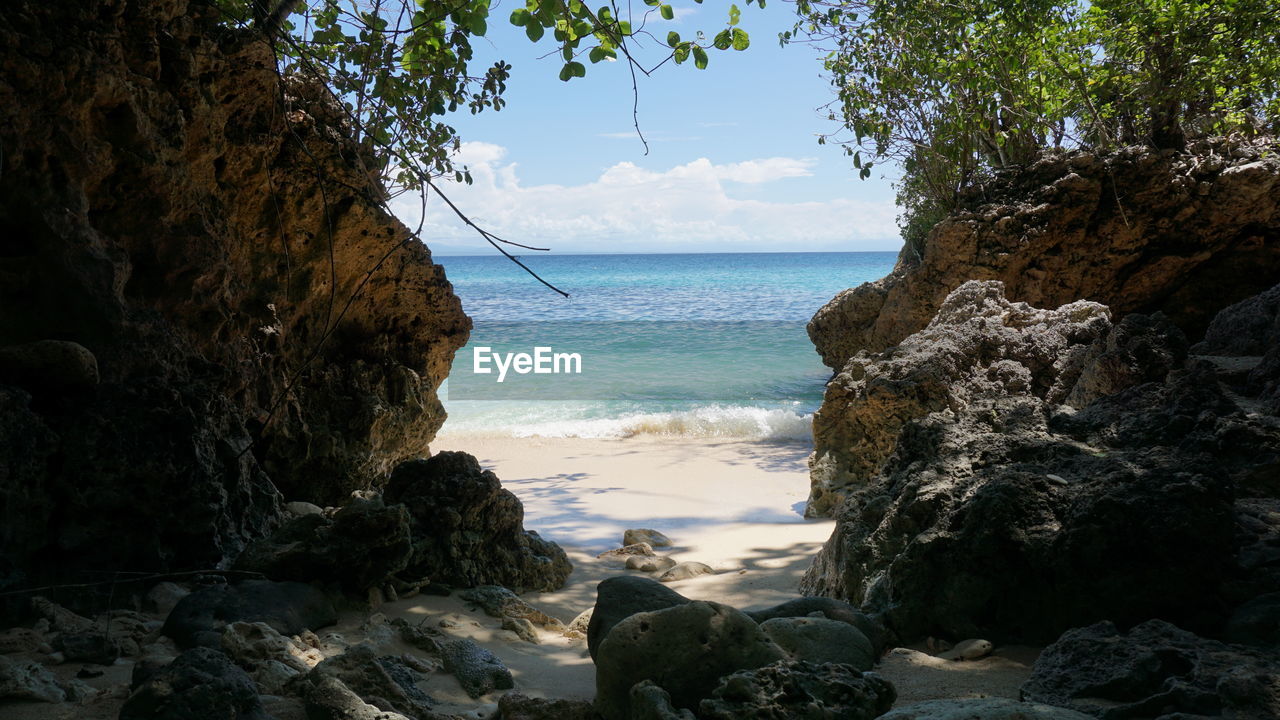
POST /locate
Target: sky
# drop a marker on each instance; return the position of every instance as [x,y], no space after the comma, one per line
[733,162]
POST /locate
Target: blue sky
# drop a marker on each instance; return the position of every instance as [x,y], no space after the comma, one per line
[733,161]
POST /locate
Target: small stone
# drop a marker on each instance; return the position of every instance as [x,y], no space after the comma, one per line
[522,628]
[479,671]
[299,507]
[621,554]
[1057,479]
[26,680]
[650,564]
[685,571]
[968,650]
[645,535]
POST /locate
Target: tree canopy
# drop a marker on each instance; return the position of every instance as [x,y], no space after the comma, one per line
[951,89]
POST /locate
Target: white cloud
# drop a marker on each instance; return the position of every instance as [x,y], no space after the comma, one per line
[632,209]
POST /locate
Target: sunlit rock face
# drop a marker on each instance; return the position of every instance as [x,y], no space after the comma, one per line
[1139,231]
[196,226]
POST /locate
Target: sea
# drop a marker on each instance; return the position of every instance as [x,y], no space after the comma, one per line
[672,345]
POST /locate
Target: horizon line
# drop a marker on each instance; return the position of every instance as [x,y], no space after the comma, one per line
[435,253]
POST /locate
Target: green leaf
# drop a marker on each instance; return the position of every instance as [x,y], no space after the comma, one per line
[534,31]
[740,39]
[667,12]
[734,15]
[699,57]
[723,40]
[566,72]
[682,53]
[578,69]
[520,17]
[673,39]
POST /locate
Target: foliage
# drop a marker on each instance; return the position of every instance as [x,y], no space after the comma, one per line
[400,66]
[949,89]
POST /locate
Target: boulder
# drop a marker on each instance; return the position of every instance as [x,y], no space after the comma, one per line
[500,602]
[982,709]
[327,698]
[799,689]
[287,607]
[684,650]
[384,681]
[979,345]
[1154,670]
[467,530]
[26,680]
[1138,349]
[265,653]
[358,547]
[201,684]
[821,641]
[831,609]
[516,706]
[478,671]
[1005,514]
[618,598]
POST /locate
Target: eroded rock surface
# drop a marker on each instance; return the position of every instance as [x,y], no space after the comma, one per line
[797,689]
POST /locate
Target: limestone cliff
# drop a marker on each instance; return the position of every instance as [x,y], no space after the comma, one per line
[1140,231]
[233,310]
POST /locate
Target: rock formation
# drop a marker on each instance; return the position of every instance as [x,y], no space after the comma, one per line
[202,300]
[996,508]
[1137,230]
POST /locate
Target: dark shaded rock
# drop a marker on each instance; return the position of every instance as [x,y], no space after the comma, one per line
[359,547]
[1192,232]
[288,607]
[618,598]
[200,684]
[27,680]
[479,671]
[1256,622]
[382,681]
[1001,514]
[1248,328]
[94,647]
[801,691]
[982,709]
[979,345]
[468,531]
[172,227]
[684,650]
[327,698]
[831,609]
[820,641]
[650,702]
[1156,670]
[1139,348]
[515,706]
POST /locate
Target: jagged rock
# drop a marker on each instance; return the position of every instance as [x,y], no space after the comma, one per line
[684,649]
[383,681]
[479,671]
[172,224]
[1156,670]
[650,702]
[1055,232]
[61,619]
[327,698]
[653,538]
[831,609]
[48,365]
[515,706]
[359,547]
[685,571]
[1251,327]
[1138,349]
[618,598]
[500,602]
[798,689]
[522,628]
[26,680]
[94,647]
[256,645]
[288,607]
[981,709]
[469,531]
[980,344]
[658,563]
[820,641]
[23,640]
[1256,622]
[201,684]
[1010,517]
[626,552]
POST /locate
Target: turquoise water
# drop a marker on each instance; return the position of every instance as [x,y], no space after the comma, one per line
[709,345]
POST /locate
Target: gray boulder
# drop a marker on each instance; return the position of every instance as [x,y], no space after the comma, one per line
[684,650]
[832,609]
[478,671]
[1156,670]
[618,598]
[801,691]
[819,641]
[288,607]
[201,684]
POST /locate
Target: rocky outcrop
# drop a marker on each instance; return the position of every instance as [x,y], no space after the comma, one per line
[201,684]
[201,298]
[467,530]
[797,689]
[1156,670]
[1001,511]
[286,607]
[1136,230]
[1249,333]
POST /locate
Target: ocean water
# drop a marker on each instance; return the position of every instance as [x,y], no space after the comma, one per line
[705,345]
